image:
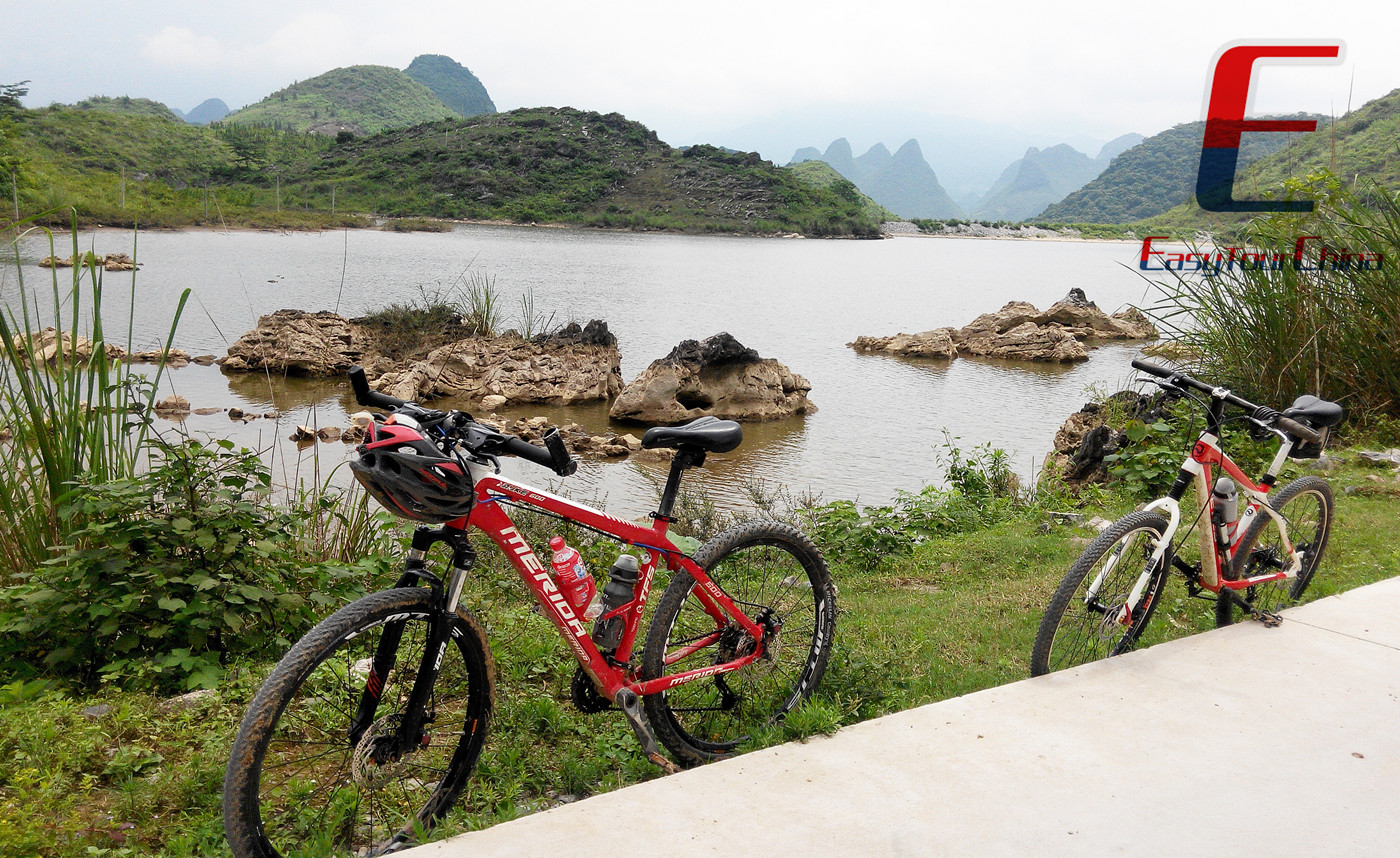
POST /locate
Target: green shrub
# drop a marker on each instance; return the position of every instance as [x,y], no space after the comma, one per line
[167,574]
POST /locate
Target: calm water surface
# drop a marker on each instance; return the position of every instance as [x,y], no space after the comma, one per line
[881,420]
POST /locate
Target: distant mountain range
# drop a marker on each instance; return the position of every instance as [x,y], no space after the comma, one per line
[903,182]
[1043,177]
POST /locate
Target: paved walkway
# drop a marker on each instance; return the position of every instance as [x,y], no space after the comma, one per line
[1243,741]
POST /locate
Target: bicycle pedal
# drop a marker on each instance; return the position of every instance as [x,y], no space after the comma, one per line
[1269,619]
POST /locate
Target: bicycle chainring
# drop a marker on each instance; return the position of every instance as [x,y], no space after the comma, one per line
[585,694]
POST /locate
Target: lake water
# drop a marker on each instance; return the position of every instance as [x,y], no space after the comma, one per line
[881,420]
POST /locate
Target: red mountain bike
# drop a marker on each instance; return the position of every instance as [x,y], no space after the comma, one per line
[1256,561]
[366,732]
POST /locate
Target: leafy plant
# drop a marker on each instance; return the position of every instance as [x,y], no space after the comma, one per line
[167,573]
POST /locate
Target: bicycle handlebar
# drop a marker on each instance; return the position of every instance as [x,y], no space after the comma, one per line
[365,395]
[1260,413]
[554,455]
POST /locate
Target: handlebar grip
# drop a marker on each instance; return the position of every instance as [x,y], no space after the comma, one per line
[1293,427]
[525,450]
[564,465]
[1153,369]
[367,396]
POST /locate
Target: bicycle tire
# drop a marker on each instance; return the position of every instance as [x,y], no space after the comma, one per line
[770,570]
[1087,633]
[308,701]
[1308,507]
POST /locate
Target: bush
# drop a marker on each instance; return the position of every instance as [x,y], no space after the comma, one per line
[167,574]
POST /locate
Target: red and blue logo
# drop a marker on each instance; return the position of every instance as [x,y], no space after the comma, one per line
[1225,122]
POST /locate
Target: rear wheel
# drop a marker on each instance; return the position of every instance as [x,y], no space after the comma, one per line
[1080,627]
[1307,508]
[777,577]
[299,782]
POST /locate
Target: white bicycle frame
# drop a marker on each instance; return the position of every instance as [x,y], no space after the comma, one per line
[1207,452]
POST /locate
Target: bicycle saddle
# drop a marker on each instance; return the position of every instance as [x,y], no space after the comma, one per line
[1317,413]
[708,433]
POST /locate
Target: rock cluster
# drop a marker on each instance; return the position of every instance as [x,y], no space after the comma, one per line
[576,365]
[1019,331]
[717,376]
[110,262]
[293,342]
[49,344]
[1084,438]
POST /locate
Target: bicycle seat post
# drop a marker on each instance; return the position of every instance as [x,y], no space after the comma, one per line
[687,456]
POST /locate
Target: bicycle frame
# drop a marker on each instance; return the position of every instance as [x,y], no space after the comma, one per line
[1215,555]
[614,673]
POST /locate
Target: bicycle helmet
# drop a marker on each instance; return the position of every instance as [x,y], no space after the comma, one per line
[410,476]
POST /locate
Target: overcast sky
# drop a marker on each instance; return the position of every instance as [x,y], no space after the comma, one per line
[722,72]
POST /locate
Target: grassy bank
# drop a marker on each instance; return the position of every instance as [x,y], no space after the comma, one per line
[81,773]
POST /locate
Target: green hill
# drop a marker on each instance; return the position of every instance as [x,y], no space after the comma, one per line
[1363,144]
[359,99]
[1154,176]
[570,166]
[543,165]
[451,82]
[820,174]
[130,106]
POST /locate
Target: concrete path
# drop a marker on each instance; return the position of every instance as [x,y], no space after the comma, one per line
[1243,741]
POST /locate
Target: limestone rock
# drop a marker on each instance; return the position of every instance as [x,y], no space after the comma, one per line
[1019,331]
[1026,341]
[294,342]
[717,376]
[937,343]
[576,365]
[172,405]
[48,344]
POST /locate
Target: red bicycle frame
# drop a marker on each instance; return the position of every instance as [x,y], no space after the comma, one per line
[613,674]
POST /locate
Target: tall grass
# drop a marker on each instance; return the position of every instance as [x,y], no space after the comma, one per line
[71,416]
[1275,331]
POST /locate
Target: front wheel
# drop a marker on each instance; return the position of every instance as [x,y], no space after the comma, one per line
[1090,616]
[776,575]
[303,779]
[1307,508]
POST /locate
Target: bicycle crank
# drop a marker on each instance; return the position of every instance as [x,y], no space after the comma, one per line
[631,706]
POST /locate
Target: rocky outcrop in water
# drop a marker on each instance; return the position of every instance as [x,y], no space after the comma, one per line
[294,342]
[1020,331]
[575,365]
[717,376]
[937,343]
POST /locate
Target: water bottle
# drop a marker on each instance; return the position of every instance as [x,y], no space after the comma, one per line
[574,581]
[1227,508]
[622,580]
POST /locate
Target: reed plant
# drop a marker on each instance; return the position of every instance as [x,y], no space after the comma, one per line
[1281,325]
[71,410]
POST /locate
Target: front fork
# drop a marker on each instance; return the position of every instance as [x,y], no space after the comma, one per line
[411,729]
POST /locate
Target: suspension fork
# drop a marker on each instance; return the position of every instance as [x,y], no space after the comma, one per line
[439,632]
[1168,504]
